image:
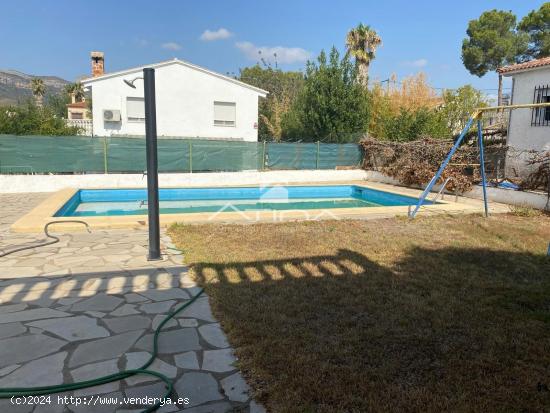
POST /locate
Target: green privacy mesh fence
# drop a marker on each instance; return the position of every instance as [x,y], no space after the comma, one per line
[78,154]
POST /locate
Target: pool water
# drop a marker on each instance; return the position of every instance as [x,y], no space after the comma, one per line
[112,202]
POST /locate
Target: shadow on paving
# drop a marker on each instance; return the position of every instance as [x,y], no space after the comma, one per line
[447,329]
[42,289]
[85,325]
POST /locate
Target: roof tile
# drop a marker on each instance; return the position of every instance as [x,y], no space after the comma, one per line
[545,61]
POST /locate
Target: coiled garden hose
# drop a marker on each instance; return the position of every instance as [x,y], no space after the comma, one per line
[6,393]
[54,239]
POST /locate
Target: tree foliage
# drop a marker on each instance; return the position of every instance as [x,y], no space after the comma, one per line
[283,87]
[406,110]
[57,104]
[75,89]
[492,42]
[459,104]
[361,43]
[537,26]
[332,106]
[38,89]
[31,119]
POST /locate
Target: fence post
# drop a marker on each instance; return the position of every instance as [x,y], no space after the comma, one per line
[105,168]
[317,159]
[263,155]
[190,157]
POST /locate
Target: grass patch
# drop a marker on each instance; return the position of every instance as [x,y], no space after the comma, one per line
[524,211]
[435,314]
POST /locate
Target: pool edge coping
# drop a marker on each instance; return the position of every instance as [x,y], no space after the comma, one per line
[35,220]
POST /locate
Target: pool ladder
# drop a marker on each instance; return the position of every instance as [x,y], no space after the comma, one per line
[440,193]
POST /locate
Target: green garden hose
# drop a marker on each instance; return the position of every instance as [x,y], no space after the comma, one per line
[6,393]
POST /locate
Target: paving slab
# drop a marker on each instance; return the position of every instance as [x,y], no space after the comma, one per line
[236,388]
[128,323]
[220,361]
[46,371]
[103,348]
[159,319]
[214,335]
[30,315]
[12,308]
[93,371]
[172,341]
[199,309]
[138,359]
[125,309]
[164,295]
[158,307]
[25,348]
[9,369]
[188,322]
[12,329]
[72,328]
[199,388]
[220,407]
[99,302]
[187,360]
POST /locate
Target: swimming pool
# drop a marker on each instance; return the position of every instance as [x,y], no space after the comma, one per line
[116,202]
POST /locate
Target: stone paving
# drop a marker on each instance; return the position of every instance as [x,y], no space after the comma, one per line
[88,305]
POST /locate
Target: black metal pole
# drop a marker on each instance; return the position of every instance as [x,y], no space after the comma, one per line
[152,163]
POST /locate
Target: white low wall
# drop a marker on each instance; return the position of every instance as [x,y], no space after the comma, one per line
[52,183]
[536,200]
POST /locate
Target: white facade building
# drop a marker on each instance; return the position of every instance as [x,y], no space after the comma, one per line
[528,129]
[192,102]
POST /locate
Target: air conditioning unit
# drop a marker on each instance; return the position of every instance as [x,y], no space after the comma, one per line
[111,115]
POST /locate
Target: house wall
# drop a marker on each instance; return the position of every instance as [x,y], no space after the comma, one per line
[521,135]
[185,105]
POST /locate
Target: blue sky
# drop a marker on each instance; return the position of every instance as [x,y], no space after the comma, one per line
[55,37]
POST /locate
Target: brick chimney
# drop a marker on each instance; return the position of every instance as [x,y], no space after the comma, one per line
[98,63]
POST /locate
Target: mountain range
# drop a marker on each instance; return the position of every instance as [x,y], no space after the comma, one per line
[15,86]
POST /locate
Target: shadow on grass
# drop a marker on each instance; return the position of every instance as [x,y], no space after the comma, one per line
[442,330]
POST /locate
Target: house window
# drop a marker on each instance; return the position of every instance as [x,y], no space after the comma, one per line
[135,109]
[224,113]
[76,115]
[541,116]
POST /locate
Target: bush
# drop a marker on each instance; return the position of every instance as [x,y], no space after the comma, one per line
[413,110]
[415,163]
[29,119]
[332,106]
[409,125]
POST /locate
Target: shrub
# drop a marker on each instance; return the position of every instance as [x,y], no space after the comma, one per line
[332,106]
[406,112]
[29,119]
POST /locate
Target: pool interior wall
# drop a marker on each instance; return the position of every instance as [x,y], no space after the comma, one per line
[109,202]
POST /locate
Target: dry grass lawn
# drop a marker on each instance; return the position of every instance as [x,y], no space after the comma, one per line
[436,314]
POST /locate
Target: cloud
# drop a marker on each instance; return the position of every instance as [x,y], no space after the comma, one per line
[284,54]
[171,46]
[212,35]
[416,63]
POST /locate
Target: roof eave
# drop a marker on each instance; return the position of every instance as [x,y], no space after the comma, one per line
[90,80]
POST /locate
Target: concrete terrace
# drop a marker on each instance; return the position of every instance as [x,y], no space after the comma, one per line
[87,306]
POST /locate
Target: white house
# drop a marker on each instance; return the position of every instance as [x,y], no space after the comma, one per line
[191,101]
[528,129]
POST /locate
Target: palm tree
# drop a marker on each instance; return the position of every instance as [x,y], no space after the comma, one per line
[76,90]
[361,43]
[38,89]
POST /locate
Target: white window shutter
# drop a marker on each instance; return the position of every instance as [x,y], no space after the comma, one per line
[224,113]
[135,108]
